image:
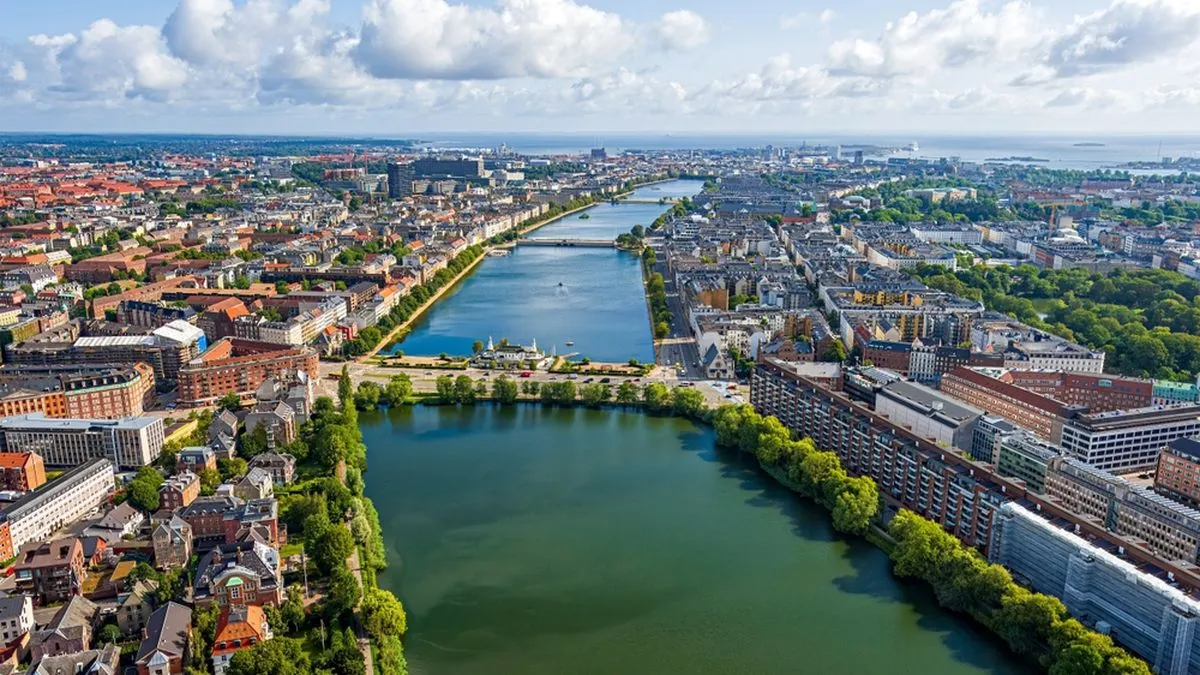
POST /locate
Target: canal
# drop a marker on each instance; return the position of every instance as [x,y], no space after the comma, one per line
[589,297]
[531,541]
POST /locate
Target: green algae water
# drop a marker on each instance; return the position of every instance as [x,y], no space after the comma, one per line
[537,541]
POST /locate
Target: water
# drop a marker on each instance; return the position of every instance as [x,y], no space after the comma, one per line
[600,305]
[1060,149]
[530,541]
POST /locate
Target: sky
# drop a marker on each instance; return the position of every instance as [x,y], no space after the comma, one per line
[398,67]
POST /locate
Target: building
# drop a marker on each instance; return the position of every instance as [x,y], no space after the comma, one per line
[105,661]
[109,393]
[233,366]
[989,430]
[400,179]
[51,571]
[242,573]
[1035,412]
[928,413]
[69,631]
[277,419]
[152,314]
[135,608]
[281,466]
[21,471]
[123,520]
[1025,457]
[178,491]
[16,618]
[206,517]
[1143,612]
[1168,528]
[937,482]
[129,443]
[256,484]
[1128,440]
[258,516]
[1027,348]
[172,541]
[240,627]
[1178,471]
[196,458]
[66,499]
[164,650]
[927,363]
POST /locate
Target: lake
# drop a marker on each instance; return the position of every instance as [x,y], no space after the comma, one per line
[531,541]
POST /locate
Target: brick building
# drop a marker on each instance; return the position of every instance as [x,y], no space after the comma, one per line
[240,367]
[21,471]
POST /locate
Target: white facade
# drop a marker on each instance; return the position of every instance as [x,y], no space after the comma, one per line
[16,621]
[65,500]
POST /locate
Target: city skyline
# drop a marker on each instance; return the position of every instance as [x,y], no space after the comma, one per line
[398,67]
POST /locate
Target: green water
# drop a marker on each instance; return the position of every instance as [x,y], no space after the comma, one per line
[528,541]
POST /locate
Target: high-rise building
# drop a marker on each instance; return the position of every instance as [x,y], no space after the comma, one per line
[1128,440]
[400,179]
[129,443]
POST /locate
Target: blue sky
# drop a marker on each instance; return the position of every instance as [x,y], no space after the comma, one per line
[398,66]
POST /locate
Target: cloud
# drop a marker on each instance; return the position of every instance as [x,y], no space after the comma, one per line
[800,19]
[681,30]
[1126,33]
[415,39]
[963,33]
[106,62]
[208,32]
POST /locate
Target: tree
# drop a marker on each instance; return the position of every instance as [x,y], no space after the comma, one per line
[477,347]
[230,401]
[330,548]
[445,389]
[398,389]
[855,507]
[143,489]
[504,390]
[383,614]
[464,389]
[657,397]
[368,395]
[835,352]
[110,633]
[687,402]
[627,394]
[291,612]
[209,480]
[595,394]
[345,388]
[254,443]
[231,468]
[344,590]
[277,656]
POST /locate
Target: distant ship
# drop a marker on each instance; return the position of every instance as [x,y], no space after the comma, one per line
[1089,144]
[584,216]
[914,147]
[570,343]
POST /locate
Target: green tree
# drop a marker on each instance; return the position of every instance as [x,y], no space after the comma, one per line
[230,401]
[110,633]
[687,402]
[345,388]
[143,489]
[232,467]
[330,548]
[399,388]
[477,347]
[627,394]
[595,394]
[657,397]
[382,613]
[344,591]
[445,389]
[209,480]
[856,505]
[464,389]
[368,395]
[835,352]
[504,390]
[277,656]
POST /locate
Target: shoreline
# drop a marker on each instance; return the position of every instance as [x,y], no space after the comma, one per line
[387,340]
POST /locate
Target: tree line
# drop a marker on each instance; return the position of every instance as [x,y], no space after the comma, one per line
[1034,625]
[1146,320]
[656,398]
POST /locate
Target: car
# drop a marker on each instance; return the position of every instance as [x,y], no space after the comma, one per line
[605,380]
[728,395]
[429,372]
[588,380]
[526,373]
[572,376]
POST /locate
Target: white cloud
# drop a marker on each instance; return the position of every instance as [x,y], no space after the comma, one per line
[962,33]
[1126,33]
[415,39]
[17,72]
[681,30]
[801,19]
[106,62]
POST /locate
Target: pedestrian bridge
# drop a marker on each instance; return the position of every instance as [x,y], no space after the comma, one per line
[648,200]
[580,243]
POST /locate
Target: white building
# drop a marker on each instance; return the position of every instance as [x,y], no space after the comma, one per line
[128,443]
[64,500]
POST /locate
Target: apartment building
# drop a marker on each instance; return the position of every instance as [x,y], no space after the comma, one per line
[1169,528]
[989,431]
[1128,440]
[938,483]
[1096,393]
[1025,457]
[240,367]
[21,471]
[129,443]
[1142,608]
[107,393]
[66,499]
[1178,471]
[928,413]
[178,491]
[51,571]
[1035,412]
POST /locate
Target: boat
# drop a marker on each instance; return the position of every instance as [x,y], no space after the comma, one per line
[584,216]
[560,283]
[570,343]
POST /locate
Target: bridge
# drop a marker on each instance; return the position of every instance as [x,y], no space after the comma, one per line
[579,243]
[648,200]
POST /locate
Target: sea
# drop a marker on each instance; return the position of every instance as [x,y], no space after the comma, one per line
[1085,152]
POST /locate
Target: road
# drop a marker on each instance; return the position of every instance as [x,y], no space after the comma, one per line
[679,347]
[425,379]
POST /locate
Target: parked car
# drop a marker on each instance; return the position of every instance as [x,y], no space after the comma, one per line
[526,373]
[604,380]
